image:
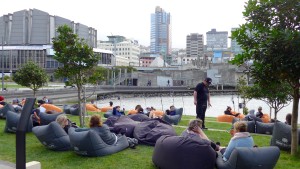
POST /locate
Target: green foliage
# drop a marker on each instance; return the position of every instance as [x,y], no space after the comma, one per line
[77,57]
[271,38]
[31,75]
[78,61]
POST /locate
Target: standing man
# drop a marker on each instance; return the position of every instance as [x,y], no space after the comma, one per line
[202,99]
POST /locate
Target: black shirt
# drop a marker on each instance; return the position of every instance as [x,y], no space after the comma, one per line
[202,93]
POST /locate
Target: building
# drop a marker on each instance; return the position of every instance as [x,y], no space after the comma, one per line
[161,37]
[194,45]
[216,40]
[125,48]
[235,47]
[27,35]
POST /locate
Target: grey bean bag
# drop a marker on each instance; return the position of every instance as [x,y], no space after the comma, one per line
[75,111]
[53,136]
[148,132]
[89,143]
[282,136]
[12,120]
[139,117]
[177,152]
[125,125]
[174,119]
[110,121]
[250,158]
[48,118]
[253,118]
[5,109]
[108,114]
[264,128]
[66,109]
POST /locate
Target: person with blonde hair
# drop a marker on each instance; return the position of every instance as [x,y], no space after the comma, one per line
[65,123]
[241,138]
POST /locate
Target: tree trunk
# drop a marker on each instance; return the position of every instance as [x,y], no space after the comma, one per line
[294,146]
[271,113]
[34,93]
[80,106]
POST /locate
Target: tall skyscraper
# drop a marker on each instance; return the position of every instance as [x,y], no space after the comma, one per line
[160,42]
[216,41]
[194,45]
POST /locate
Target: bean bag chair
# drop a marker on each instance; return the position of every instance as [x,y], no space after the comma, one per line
[89,143]
[174,119]
[125,125]
[264,128]
[5,109]
[282,136]
[252,118]
[225,118]
[148,132]
[110,121]
[139,117]
[48,118]
[92,108]
[105,109]
[157,113]
[51,107]
[132,112]
[177,152]
[66,109]
[53,136]
[12,120]
[108,114]
[75,111]
[250,158]
[266,118]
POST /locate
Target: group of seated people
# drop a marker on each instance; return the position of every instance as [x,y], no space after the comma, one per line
[258,114]
[95,124]
[240,137]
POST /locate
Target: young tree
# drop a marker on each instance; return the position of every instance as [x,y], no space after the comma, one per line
[78,59]
[32,76]
[271,38]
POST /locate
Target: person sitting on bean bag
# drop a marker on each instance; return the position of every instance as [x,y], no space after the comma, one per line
[241,138]
[117,111]
[194,130]
[172,111]
[228,112]
[259,114]
[65,123]
[288,119]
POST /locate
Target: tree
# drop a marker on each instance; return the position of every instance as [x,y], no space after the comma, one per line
[78,59]
[32,76]
[271,38]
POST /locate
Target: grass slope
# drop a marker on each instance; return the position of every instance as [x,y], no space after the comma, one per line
[141,157]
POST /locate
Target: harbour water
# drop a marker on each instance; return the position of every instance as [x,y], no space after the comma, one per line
[219,104]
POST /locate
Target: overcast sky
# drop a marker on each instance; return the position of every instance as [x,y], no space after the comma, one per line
[131,18]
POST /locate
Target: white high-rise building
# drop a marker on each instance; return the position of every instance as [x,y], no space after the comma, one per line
[121,46]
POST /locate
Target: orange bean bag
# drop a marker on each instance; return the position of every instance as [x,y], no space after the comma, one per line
[229,118]
[132,112]
[92,107]
[266,118]
[51,107]
[105,109]
[157,113]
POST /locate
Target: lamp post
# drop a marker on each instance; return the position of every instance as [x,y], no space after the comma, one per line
[2,65]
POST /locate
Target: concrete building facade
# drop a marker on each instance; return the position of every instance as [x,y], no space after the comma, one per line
[27,35]
[235,47]
[194,45]
[216,40]
[125,48]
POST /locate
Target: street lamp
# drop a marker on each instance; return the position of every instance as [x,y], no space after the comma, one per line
[2,64]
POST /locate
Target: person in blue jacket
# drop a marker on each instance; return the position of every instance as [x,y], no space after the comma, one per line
[117,112]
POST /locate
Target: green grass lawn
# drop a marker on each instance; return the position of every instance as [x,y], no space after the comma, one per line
[140,158]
